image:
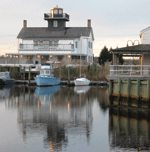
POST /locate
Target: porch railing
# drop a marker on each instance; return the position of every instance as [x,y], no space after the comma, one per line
[53,47]
[129,70]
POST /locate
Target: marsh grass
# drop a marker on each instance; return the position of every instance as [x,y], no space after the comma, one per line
[95,73]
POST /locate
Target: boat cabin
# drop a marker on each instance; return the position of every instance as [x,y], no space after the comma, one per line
[47,70]
[4,74]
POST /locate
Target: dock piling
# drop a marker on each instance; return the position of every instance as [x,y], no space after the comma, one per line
[138,88]
[29,76]
[68,75]
[128,87]
[24,73]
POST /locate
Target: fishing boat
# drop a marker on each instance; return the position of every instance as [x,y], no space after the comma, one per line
[5,79]
[46,76]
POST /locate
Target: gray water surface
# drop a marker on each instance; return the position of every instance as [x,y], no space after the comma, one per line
[62,119]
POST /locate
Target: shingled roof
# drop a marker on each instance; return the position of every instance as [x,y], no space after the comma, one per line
[134,48]
[44,32]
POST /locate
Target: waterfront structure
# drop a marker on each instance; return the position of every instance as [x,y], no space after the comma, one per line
[131,80]
[56,42]
[141,51]
[144,35]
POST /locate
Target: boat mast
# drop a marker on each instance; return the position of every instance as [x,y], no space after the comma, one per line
[80,55]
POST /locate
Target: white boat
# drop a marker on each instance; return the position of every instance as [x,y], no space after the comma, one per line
[82,81]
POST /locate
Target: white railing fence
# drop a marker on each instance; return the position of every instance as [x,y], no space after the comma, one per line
[129,70]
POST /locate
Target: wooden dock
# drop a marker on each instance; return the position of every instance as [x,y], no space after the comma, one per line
[62,82]
[130,88]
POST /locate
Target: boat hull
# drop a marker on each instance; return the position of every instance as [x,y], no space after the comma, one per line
[47,81]
[7,81]
[81,82]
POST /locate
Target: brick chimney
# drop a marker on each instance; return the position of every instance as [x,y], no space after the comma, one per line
[24,23]
[89,23]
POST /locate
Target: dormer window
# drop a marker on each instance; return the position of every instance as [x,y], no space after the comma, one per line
[55,23]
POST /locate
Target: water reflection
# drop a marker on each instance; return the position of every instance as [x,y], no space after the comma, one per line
[56,113]
[129,129]
[46,94]
[5,91]
[81,89]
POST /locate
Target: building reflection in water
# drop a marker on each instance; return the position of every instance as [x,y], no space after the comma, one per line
[56,112]
[129,129]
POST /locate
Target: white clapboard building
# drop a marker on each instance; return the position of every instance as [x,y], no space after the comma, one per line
[145,36]
[56,42]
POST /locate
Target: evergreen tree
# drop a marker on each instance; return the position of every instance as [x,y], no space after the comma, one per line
[104,56]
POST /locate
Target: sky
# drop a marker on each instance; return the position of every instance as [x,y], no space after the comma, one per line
[114,22]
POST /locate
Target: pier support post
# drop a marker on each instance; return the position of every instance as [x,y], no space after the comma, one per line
[138,88]
[119,87]
[29,75]
[60,74]
[148,89]
[68,75]
[23,73]
[128,87]
[97,71]
[110,87]
[119,91]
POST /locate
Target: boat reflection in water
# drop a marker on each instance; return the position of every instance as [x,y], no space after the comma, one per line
[129,130]
[46,93]
[5,91]
[81,89]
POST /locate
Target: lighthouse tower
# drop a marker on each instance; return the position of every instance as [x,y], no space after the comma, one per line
[56,18]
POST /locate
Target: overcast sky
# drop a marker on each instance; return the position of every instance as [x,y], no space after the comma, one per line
[114,22]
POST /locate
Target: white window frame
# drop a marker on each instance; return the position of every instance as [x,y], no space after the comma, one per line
[55,23]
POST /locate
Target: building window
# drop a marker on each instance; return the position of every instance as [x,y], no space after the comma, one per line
[46,42]
[60,11]
[59,57]
[75,57]
[42,72]
[72,46]
[56,11]
[30,57]
[55,43]
[76,44]
[35,43]
[47,72]
[55,23]
[40,43]
[50,43]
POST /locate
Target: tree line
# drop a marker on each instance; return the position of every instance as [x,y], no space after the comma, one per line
[106,56]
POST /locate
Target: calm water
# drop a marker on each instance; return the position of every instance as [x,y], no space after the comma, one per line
[58,119]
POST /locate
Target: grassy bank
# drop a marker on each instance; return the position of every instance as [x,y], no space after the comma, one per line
[95,73]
